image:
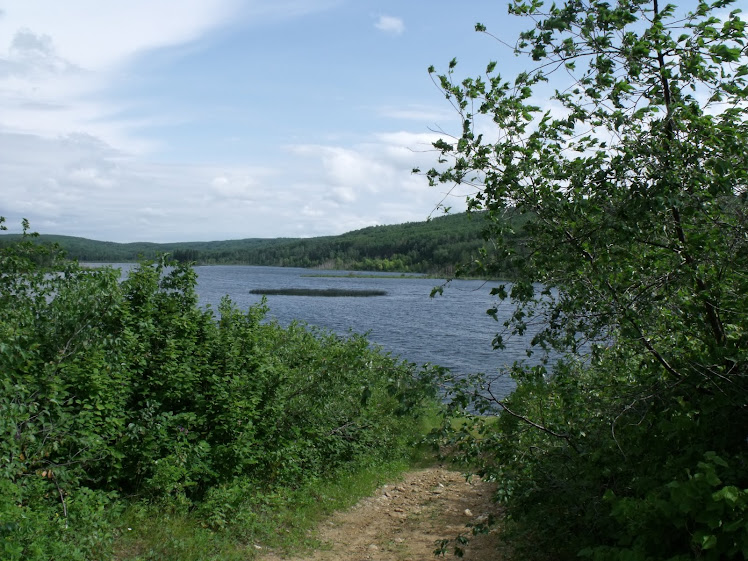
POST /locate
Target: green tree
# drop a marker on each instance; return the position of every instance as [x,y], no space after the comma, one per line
[631,442]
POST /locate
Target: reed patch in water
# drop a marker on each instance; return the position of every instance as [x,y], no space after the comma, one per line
[324,292]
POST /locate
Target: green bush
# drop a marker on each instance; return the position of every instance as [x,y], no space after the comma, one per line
[114,392]
[629,440]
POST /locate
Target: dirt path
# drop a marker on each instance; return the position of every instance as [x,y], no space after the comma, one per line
[406,520]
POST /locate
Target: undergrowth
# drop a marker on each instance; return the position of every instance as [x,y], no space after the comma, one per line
[136,425]
[281,520]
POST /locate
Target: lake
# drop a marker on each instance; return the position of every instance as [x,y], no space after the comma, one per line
[451,330]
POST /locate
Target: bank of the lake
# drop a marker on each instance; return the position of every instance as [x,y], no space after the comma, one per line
[141,425]
[450,330]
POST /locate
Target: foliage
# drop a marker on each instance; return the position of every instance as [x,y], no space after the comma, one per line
[628,440]
[114,392]
[238,520]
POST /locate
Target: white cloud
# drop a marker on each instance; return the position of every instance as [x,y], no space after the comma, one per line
[372,181]
[96,35]
[32,55]
[59,60]
[57,57]
[390,24]
[72,165]
[91,176]
[343,195]
[410,142]
[79,185]
[239,188]
[347,168]
[155,212]
[417,113]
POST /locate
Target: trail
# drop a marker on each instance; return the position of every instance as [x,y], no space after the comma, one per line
[404,521]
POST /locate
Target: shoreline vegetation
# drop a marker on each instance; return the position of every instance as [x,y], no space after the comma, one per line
[141,426]
[318,292]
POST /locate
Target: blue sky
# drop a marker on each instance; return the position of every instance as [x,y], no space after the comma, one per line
[176,120]
[215,119]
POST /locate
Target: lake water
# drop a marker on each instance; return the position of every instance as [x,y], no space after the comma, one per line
[450,330]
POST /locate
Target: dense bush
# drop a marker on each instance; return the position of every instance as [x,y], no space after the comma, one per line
[629,441]
[118,391]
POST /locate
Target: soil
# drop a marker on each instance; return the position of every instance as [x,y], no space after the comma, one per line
[406,521]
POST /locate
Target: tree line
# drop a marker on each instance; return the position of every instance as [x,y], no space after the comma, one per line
[435,246]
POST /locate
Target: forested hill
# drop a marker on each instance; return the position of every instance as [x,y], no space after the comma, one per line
[436,245]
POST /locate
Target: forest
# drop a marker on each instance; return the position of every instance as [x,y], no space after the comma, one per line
[436,246]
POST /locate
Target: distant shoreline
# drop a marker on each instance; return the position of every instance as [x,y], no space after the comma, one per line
[353,275]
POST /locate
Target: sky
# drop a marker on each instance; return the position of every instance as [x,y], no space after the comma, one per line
[187,120]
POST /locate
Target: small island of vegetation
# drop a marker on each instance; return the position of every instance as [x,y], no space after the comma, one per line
[323,292]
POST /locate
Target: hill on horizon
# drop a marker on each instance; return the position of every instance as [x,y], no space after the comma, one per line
[437,245]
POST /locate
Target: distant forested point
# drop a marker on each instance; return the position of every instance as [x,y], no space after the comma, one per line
[435,246]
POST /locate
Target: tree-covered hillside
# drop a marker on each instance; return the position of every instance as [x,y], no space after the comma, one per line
[433,246]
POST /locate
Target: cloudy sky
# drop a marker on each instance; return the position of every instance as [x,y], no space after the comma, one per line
[176,120]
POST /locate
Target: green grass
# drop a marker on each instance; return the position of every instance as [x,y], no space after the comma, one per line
[283,520]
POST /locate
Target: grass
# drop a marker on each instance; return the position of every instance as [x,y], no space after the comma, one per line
[325,292]
[282,521]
